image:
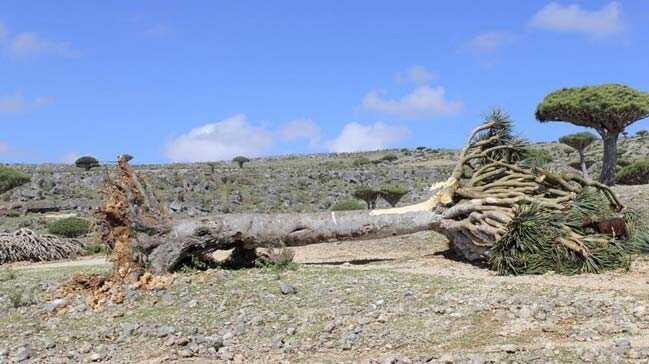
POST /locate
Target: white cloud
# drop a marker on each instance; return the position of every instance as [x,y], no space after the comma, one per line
[301,129]
[423,101]
[415,74]
[357,137]
[220,141]
[16,103]
[29,45]
[572,18]
[489,42]
[4,147]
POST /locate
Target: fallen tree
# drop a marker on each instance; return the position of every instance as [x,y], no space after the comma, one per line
[494,208]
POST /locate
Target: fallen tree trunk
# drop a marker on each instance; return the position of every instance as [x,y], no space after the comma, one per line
[250,231]
[493,207]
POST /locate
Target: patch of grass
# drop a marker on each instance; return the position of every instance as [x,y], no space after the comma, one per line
[7,274]
[94,249]
[20,296]
[277,261]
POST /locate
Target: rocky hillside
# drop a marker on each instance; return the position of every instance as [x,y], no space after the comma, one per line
[279,184]
[297,183]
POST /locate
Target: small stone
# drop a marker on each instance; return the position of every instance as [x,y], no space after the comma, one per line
[291,331]
[185,353]
[622,344]
[22,354]
[181,341]
[164,331]
[49,344]
[56,304]
[225,354]
[85,348]
[215,342]
[277,342]
[95,357]
[509,348]
[329,327]
[228,335]
[287,288]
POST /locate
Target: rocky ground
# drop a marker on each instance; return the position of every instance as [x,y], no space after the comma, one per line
[395,300]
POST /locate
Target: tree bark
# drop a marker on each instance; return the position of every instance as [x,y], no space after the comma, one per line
[610,158]
[582,161]
[249,231]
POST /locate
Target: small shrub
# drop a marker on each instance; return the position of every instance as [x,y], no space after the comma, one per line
[71,227]
[636,173]
[240,160]
[20,297]
[94,249]
[642,133]
[11,178]
[7,274]
[87,162]
[389,158]
[537,157]
[361,161]
[348,205]
[276,260]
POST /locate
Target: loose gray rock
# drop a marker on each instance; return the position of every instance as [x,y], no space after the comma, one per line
[287,288]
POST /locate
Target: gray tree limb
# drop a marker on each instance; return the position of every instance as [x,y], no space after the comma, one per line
[249,231]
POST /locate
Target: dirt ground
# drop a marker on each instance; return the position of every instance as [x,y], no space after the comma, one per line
[402,299]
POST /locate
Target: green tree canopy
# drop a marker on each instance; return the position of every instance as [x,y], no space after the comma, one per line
[608,107]
[367,194]
[392,193]
[240,160]
[578,141]
[87,162]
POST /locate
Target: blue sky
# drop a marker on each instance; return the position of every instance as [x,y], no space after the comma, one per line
[205,80]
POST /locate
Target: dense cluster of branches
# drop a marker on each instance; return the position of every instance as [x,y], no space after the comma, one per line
[25,245]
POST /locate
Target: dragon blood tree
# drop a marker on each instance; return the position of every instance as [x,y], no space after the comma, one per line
[579,142]
[607,108]
[493,209]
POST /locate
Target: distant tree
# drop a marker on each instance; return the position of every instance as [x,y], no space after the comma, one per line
[240,160]
[367,194]
[87,162]
[392,194]
[607,108]
[579,142]
[212,166]
[11,178]
[642,133]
